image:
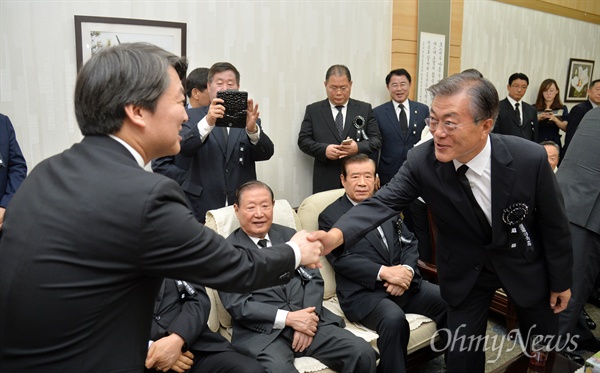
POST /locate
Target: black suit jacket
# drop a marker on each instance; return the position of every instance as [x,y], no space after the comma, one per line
[508,121]
[253,314]
[89,239]
[520,173]
[186,314]
[217,168]
[318,130]
[395,145]
[357,267]
[575,117]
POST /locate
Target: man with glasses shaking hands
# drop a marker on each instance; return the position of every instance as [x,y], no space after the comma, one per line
[500,219]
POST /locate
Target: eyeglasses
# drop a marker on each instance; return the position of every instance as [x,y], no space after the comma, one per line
[447,126]
[343,89]
[402,85]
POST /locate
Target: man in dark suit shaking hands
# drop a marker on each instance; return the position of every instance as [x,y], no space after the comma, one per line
[377,279]
[500,218]
[335,128]
[277,324]
[90,234]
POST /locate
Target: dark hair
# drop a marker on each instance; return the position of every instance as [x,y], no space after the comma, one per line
[476,73]
[516,76]
[482,93]
[338,70]
[398,72]
[198,79]
[540,104]
[220,67]
[355,158]
[252,184]
[117,76]
[593,83]
[549,142]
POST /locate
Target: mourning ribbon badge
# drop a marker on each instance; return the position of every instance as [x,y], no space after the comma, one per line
[513,216]
[359,123]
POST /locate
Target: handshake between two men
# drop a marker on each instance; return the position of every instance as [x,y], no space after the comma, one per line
[315,244]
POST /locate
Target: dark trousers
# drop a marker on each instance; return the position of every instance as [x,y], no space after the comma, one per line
[388,319]
[221,362]
[467,324]
[586,267]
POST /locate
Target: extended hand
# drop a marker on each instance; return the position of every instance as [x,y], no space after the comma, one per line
[305,321]
[330,240]
[559,301]
[164,352]
[310,250]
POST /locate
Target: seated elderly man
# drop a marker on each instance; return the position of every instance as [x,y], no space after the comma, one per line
[377,278]
[277,324]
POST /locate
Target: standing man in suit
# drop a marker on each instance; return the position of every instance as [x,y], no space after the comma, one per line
[275,325]
[222,158]
[516,117]
[377,278]
[579,111]
[500,218]
[177,166]
[90,235]
[400,121]
[329,122]
[13,168]
[578,177]
[180,339]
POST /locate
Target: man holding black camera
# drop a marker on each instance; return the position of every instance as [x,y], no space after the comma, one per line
[335,128]
[223,158]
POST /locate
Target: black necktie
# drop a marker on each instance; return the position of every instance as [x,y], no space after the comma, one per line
[518,113]
[464,183]
[339,120]
[402,119]
[262,243]
[381,237]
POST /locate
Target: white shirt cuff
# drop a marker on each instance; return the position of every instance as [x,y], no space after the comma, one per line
[204,128]
[280,319]
[254,137]
[297,252]
[379,274]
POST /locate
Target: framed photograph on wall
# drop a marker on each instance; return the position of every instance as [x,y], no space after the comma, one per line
[578,79]
[93,33]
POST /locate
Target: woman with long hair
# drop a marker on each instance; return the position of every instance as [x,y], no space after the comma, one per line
[552,114]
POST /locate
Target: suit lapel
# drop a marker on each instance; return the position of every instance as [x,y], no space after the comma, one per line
[277,239]
[388,230]
[454,192]
[217,132]
[232,140]
[390,111]
[503,181]
[351,113]
[328,118]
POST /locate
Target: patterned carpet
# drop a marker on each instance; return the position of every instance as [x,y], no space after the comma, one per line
[497,354]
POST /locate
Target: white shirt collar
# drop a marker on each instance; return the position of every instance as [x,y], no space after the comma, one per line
[512,101]
[138,158]
[256,239]
[405,104]
[333,106]
[480,161]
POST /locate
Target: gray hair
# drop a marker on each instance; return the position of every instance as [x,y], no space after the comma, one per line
[482,93]
[129,73]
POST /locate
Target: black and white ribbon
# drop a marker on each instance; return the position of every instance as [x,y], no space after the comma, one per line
[513,216]
[359,123]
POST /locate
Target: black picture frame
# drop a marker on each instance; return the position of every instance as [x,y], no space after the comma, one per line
[579,78]
[92,33]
